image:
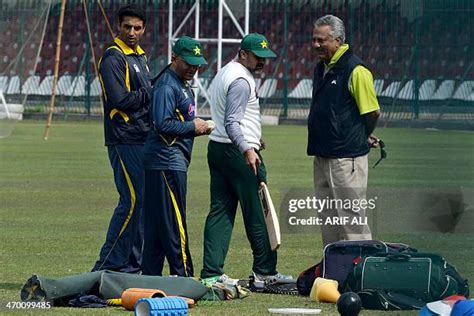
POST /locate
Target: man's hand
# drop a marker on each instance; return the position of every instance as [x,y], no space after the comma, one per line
[373,141]
[370,121]
[253,161]
[201,127]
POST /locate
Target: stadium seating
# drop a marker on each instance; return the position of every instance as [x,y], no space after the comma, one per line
[3,83]
[427,89]
[383,38]
[268,88]
[444,91]
[464,91]
[407,93]
[96,89]
[46,86]
[378,84]
[31,85]
[392,90]
[303,90]
[14,85]
[64,85]
[77,87]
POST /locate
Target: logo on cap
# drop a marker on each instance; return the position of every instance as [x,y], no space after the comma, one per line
[197,50]
[263,44]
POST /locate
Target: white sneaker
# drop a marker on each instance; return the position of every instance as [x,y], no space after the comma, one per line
[272,278]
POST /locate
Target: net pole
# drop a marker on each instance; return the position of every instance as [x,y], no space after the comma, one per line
[91,44]
[285,51]
[106,19]
[219,35]
[170,29]
[40,46]
[56,70]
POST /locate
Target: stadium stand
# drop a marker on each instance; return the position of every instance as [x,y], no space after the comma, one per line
[46,86]
[444,91]
[3,83]
[31,85]
[406,93]
[268,88]
[430,52]
[14,85]
[464,91]
[392,90]
[303,90]
[427,89]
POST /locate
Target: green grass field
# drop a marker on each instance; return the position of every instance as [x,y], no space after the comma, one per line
[57,197]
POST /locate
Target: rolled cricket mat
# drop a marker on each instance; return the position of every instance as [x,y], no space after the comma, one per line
[167,306]
[132,295]
[325,290]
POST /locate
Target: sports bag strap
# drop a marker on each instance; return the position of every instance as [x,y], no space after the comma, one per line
[388,300]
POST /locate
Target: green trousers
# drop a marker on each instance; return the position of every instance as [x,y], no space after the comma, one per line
[232,182]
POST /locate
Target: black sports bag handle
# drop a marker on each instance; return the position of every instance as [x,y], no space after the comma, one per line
[398,257]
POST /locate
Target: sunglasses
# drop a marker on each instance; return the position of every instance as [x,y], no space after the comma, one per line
[383,153]
[186,63]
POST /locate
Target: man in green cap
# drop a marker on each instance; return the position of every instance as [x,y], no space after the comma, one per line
[235,163]
[167,156]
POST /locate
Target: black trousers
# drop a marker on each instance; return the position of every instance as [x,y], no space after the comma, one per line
[123,245]
[165,223]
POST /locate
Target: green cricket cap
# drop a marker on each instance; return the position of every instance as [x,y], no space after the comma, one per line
[257,44]
[190,50]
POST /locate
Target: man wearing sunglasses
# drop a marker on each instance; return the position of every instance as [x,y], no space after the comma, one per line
[342,118]
[236,165]
[167,156]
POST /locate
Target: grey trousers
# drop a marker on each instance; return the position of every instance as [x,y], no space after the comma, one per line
[342,181]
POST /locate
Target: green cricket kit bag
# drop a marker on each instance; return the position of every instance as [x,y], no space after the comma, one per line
[339,258]
[396,281]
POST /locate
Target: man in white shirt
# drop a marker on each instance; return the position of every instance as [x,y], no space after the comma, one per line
[235,163]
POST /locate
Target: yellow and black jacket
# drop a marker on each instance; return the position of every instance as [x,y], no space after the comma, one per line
[126,91]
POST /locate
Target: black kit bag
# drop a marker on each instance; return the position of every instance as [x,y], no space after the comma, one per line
[305,280]
[339,258]
[391,281]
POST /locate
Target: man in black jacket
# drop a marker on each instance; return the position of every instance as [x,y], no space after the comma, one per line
[343,116]
[126,87]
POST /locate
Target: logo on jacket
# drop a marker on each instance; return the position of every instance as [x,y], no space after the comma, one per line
[185,93]
[191,109]
[334,81]
[136,68]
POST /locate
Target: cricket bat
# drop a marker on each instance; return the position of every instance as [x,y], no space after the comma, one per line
[271,218]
